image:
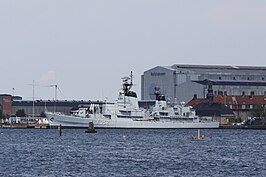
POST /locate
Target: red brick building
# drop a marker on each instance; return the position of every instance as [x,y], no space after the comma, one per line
[6,104]
[241,105]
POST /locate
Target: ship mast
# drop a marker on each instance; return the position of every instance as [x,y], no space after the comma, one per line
[126,85]
[157,92]
[33,100]
[131,80]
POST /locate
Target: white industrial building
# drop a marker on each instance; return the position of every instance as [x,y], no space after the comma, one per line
[183,82]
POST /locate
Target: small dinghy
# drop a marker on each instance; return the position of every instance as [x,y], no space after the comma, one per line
[91,128]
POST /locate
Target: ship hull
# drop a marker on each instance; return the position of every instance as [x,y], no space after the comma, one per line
[124,123]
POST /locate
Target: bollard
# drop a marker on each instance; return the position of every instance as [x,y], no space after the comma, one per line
[60,130]
[198,134]
[91,128]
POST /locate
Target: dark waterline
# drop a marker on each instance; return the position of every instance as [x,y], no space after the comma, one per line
[41,152]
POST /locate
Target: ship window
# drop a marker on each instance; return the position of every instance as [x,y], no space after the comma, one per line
[234,78]
[248,78]
[163,114]
[107,116]
[220,78]
[262,78]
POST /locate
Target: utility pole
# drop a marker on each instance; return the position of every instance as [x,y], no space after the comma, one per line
[33,100]
[55,96]
[13,91]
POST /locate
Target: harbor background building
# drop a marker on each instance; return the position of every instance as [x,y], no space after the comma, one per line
[237,87]
[183,82]
[6,104]
[242,106]
[62,106]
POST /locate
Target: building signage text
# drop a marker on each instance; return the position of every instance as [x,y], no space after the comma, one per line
[157,74]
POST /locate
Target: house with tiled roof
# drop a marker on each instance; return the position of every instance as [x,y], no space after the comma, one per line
[241,105]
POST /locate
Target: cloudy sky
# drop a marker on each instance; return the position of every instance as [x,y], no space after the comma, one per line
[86,46]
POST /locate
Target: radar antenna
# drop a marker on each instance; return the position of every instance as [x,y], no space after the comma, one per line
[126,85]
[157,92]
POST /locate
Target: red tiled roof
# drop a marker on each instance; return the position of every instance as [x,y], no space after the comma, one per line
[256,99]
[232,100]
[194,102]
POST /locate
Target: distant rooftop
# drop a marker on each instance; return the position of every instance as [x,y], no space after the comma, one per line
[5,95]
[184,66]
[232,82]
[232,100]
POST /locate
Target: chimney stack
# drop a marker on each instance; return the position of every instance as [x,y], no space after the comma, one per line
[210,93]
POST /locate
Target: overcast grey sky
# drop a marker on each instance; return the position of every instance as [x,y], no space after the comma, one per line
[89,45]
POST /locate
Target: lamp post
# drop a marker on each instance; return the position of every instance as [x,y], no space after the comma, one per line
[13,91]
[33,100]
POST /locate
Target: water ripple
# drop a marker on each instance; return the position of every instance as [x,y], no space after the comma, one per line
[122,153]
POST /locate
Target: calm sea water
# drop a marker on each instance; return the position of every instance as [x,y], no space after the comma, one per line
[42,152]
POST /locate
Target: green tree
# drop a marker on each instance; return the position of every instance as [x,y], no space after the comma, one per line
[20,113]
[259,111]
[1,114]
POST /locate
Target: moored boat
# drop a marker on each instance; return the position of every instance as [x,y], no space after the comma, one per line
[125,113]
